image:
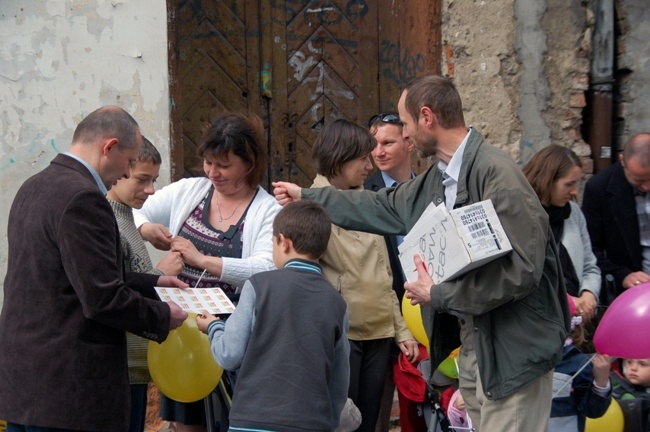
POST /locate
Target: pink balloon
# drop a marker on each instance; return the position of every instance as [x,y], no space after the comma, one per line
[624,330]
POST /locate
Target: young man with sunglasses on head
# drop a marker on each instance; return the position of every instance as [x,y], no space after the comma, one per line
[392,155]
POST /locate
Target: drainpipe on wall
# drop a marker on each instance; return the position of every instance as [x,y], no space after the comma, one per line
[602,85]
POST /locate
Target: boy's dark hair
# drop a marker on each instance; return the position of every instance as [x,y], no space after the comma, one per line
[307,225]
[338,142]
[149,153]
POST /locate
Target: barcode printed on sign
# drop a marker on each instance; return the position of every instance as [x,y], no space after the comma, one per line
[482,233]
[476,226]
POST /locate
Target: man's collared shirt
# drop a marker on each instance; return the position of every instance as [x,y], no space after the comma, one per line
[94,173]
[389,181]
[451,173]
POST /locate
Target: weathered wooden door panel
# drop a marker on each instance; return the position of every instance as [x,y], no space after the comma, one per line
[408,46]
[195,120]
[211,54]
[297,63]
[324,67]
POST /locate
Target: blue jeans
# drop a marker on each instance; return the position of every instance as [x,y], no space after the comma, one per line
[13,427]
[138,407]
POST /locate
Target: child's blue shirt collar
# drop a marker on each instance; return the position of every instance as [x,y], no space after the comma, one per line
[301,264]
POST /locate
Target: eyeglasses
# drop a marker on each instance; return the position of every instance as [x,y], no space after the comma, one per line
[385,118]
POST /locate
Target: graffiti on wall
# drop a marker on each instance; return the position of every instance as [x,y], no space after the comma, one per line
[326,12]
[397,65]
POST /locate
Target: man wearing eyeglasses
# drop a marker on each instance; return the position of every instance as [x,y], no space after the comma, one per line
[512,311]
[392,155]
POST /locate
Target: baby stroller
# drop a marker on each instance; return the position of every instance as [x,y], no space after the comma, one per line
[434,414]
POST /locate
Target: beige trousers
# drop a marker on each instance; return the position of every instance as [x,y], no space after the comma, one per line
[527,410]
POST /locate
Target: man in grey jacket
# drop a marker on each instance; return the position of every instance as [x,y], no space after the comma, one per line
[512,311]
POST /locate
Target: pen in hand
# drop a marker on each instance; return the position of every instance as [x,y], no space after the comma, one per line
[424,265]
[197,284]
[200,277]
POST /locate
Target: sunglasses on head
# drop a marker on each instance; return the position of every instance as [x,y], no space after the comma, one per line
[385,118]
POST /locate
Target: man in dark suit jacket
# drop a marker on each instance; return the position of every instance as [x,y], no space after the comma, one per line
[392,155]
[66,306]
[616,204]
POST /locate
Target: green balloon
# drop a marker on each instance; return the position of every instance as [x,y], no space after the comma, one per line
[448,368]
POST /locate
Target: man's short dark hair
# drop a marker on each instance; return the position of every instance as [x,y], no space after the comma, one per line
[149,153]
[307,225]
[107,122]
[338,142]
[440,95]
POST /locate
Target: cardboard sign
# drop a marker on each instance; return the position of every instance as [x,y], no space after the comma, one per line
[452,243]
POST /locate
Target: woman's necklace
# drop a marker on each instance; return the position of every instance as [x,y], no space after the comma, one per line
[221,218]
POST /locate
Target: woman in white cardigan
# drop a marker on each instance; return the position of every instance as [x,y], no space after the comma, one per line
[170,207]
[554,173]
[222,225]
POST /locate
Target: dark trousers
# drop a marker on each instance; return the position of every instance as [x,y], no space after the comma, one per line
[368,369]
[138,407]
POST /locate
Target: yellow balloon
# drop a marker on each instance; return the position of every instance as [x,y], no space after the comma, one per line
[413,318]
[611,421]
[182,366]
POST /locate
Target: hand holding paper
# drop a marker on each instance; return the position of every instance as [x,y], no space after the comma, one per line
[176,315]
[203,321]
[452,243]
[171,281]
[197,300]
[419,291]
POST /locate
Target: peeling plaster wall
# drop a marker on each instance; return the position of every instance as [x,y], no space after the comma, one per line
[521,68]
[634,59]
[478,40]
[569,29]
[60,60]
[530,43]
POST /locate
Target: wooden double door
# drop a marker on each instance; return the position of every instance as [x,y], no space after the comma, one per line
[296,63]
